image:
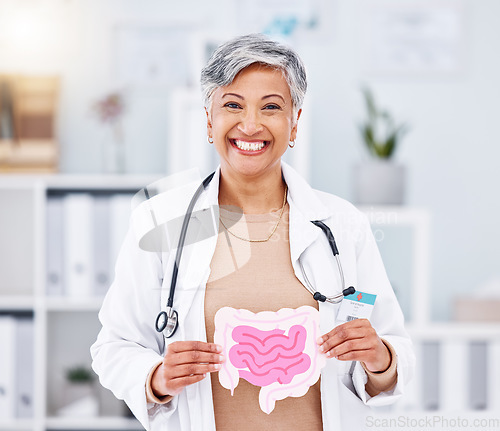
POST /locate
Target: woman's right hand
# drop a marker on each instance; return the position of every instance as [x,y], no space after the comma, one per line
[185,363]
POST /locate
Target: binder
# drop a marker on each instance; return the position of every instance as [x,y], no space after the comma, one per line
[454,384]
[430,378]
[54,240]
[120,210]
[78,245]
[7,367]
[493,384]
[25,373]
[101,246]
[478,375]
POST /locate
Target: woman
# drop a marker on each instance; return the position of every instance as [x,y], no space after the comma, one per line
[267,250]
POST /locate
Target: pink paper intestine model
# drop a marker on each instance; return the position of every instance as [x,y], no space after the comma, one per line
[274,350]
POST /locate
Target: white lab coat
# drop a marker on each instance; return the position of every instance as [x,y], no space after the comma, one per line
[128,346]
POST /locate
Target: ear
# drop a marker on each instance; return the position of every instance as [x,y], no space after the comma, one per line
[293,133]
[209,123]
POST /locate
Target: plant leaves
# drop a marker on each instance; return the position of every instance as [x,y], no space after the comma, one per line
[380,120]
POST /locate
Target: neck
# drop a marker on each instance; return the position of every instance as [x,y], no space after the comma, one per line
[252,195]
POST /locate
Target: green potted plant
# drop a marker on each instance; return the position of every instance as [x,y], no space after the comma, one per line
[80,393]
[380,181]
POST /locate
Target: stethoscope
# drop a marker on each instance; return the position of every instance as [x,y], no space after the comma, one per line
[167,320]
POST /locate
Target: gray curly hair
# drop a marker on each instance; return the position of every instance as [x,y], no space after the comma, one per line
[240,52]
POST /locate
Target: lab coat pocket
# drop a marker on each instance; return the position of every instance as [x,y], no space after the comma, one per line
[353,411]
[162,414]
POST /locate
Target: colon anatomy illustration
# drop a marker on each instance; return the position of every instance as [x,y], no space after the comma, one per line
[274,350]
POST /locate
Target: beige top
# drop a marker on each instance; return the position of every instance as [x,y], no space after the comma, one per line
[260,277]
[257,277]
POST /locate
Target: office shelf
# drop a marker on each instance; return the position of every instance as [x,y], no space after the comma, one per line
[15,425]
[99,423]
[74,304]
[64,326]
[16,303]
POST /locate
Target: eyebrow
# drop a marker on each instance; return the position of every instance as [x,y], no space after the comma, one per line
[233,94]
[265,97]
[274,95]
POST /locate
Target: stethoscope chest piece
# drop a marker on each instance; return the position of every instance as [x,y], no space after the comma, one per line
[167,322]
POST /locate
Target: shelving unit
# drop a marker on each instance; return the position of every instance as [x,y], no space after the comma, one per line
[456,362]
[64,327]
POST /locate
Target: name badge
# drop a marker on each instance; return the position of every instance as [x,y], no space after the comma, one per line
[359,305]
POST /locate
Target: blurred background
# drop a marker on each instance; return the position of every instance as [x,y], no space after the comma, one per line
[99,98]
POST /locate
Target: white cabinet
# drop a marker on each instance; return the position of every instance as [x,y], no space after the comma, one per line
[403,238]
[455,361]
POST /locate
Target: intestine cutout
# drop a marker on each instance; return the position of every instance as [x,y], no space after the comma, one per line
[274,350]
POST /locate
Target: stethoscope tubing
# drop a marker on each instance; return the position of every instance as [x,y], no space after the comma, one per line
[167,320]
[182,237]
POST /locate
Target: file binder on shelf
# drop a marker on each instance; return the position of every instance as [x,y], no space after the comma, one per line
[7,367]
[78,245]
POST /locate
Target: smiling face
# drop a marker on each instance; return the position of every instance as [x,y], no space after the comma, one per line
[251,122]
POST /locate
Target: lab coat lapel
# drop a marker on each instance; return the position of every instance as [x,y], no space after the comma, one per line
[195,263]
[316,258]
[308,243]
[301,231]
[304,207]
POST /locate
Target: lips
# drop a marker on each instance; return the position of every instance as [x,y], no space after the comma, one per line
[249,146]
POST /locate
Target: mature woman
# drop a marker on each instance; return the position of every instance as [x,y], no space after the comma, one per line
[266,252]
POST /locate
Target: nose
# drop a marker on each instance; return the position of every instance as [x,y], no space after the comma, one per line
[250,123]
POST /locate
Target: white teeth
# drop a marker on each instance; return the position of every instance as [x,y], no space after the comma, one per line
[249,146]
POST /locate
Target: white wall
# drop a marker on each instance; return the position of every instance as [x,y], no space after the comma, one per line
[452,151]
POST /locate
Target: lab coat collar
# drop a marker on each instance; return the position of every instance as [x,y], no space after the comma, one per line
[305,206]
[211,195]
[303,196]
[300,193]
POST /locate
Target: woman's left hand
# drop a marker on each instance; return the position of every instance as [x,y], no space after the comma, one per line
[356,341]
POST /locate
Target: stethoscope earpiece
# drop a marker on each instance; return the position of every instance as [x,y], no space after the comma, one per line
[319,297]
[334,299]
[349,291]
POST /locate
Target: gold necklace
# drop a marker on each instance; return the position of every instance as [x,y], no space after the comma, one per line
[272,233]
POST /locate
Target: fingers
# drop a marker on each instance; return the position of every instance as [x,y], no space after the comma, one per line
[193,352]
[177,385]
[195,356]
[189,370]
[189,358]
[199,346]
[351,341]
[185,363]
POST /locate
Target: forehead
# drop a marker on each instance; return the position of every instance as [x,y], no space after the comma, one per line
[260,80]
